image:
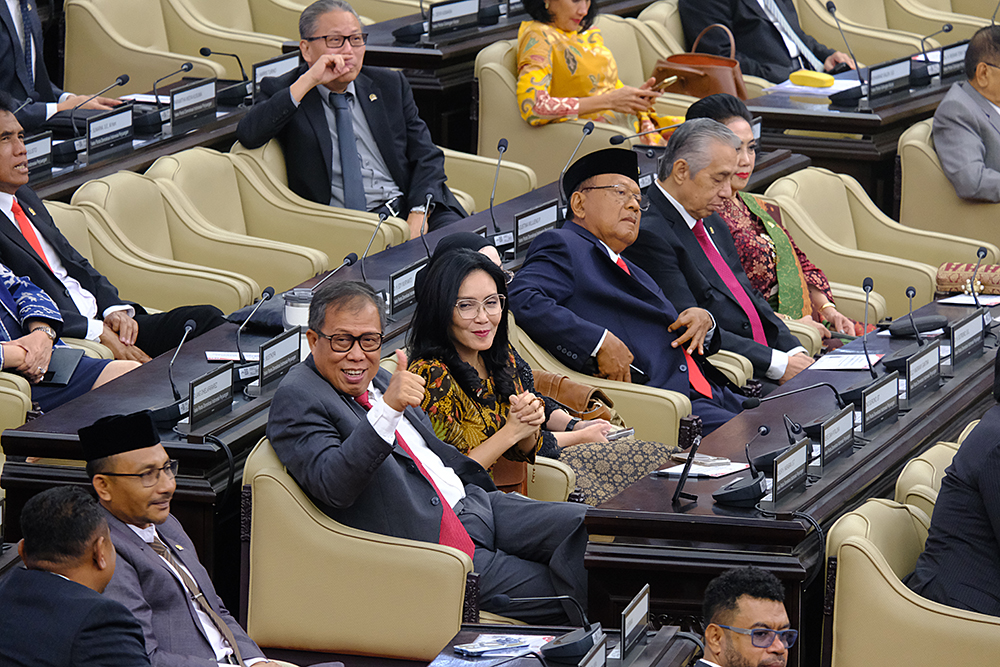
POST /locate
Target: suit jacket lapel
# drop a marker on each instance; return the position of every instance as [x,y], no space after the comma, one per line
[756,8]
[312,107]
[7,227]
[984,104]
[373,105]
[635,277]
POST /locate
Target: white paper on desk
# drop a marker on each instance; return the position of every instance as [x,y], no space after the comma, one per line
[702,471]
[932,56]
[145,98]
[967,300]
[534,643]
[923,334]
[789,88]
[844,362]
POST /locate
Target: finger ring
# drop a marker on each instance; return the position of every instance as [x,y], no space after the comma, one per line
[40,369]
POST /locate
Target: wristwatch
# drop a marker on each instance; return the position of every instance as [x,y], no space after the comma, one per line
[571,424]
[47,330]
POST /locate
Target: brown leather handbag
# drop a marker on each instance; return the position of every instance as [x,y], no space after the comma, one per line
[581,400]
[702,74]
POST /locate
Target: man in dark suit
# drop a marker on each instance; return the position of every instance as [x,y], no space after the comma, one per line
[90,306]
[53,612]
[158,575]
[358,443]
[687,249]
[769,41]
[599,314]
[331,105]
[746,624]
[23,73]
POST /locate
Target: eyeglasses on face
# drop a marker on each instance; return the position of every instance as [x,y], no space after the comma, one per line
[764,637]
[469,308]
[369,342]
[622,194]
[150,477]
[337,41]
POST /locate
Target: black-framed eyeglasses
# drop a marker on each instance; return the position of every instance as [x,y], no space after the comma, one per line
[468,309]
[764,637]
[336,41]
[369,342]
[150,477]
[622,194]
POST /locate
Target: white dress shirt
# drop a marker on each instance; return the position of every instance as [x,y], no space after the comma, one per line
[14,7]
[793,49]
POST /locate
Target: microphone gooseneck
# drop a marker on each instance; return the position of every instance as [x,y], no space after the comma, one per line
[350,259]
[186,67]
[751,403]
[993,18]
[265,295]
[205,51]
[911,292]
[868,285]
[763,429]
[23,104]
[832,8]
[189,326]
[502,148]
[563,204]
[980,254]
[619,139]
[947,27]
[120,81]
[423,223]
[381,218]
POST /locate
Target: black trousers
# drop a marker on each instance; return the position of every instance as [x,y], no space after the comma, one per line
[161,332]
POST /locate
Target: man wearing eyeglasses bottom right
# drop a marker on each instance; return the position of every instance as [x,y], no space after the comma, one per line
[746,624]
[158,576]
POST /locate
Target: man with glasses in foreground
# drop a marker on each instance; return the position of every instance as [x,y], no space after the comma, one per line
[598,313]
[355,439]
[351,135]
[158,575]
[746,624]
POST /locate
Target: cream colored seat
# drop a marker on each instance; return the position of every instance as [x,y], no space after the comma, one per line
[838,227]
[105,38]
[851,303]
[385,10]
[378,595]
[982,8]
[164,224]
[927,16]
[919,482]
[876,619]
[264,19]
[473,175]
[928,198]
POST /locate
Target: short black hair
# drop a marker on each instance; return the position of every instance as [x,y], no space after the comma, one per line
[7,103]
[723,593]
[537,10]
[99,466]
[339,294]
[720,107]
[59,523]
[984,47]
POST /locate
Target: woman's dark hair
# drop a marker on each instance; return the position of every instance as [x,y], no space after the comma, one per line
[720,108]
[536,9]
[430,330]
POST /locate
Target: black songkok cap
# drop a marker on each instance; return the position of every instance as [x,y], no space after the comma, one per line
[117,434]
[606,161]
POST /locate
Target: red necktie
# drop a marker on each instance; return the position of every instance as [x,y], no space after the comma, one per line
[728,277]
[698,381]
[28,231]
[453,533]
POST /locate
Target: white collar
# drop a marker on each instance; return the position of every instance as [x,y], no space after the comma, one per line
[688,219]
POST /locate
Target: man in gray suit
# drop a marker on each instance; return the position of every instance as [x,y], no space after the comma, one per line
[967,122]
[158,576]
[357,442]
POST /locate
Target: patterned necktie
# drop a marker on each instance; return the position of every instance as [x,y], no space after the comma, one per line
[26,27]
[452,533]
[196,595]
[729,278]
[29,232]
[774,12]
[350,163]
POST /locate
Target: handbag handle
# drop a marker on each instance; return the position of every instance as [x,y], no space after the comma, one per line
[732,40]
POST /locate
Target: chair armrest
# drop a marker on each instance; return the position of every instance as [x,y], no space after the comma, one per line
[90,348]
[474,174]
[385,10]
[850,301]
[465,199]
[549,479]
[736,367]
[808,336]
[14,406]
[755,85]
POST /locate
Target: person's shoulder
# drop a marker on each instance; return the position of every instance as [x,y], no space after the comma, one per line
[381,75]
[434,371]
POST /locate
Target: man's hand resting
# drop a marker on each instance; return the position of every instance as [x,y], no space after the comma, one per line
[613,359]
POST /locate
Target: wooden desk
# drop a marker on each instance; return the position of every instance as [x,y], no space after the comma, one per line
[868,151]
[677,550]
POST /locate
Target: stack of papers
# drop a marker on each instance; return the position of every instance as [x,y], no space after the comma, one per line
[702,471]
[789,88]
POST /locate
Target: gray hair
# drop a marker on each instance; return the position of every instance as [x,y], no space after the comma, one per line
[343,293]
[691,142]
[310,15]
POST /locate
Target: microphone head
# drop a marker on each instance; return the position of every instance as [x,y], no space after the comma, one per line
[267,293]
[830,7]
[763,429]
[352,257]
[617,139]
[589,127]
[911,291]
[502,145]
[981,253]
[205,51]
[501,600]
[868,285]
[750,403]
[190,326]
[122,80]
[429,198]
[187,67]
[947,27]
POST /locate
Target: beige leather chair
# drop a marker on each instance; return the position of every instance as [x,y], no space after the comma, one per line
[966,431]
[374,592]
[267,162]
[981,8]
[836,224]
[928,198]
[879,621]
[158,286]
[266,20]
[385,10]
[105,38]
[163,224]
[473,175]
[919,482]
[927,16]
[873,38]
[851,303]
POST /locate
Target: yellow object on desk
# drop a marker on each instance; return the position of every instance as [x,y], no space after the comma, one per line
[806,77]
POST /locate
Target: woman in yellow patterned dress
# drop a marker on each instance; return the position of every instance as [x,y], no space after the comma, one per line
[564,71]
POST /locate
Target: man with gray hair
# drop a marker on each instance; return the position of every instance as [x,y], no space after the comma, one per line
[351,134]
[687,249]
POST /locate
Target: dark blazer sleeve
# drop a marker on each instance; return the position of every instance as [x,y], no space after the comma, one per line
[267,117]
[109,637]
[425,160]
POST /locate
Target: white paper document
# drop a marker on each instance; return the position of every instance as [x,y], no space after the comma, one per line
[967,300]
[844,362]
[789,88]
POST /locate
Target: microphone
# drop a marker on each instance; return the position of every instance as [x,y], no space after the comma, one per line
[751,403]
[619,139]
[423,223]
[911,292]
[350,259]
[168,415]
[186,67]
[745,492]
[205,51]
[237,93]
[847,95]
[897,360]
[381,218]
[120,81]
[792,429]
[993,19]
[868,285]
[502,147]
[947,27]
[981,254]
[189,326]
[23,104]
[568,648]
[921,73]
[587,129]
[265,295]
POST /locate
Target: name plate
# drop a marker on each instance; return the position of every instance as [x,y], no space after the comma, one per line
[597,656]
[211,393]
[889,77]
[110,129]
[279,354]
[503,241]
[193,101]
[452,15]
[635,622]
[880,401]
[529,224]
[514,8]
[836,435]
[402,290]
[923,369]
[967,337]
[953,58]
[273,67]
[790,469]
[39,147]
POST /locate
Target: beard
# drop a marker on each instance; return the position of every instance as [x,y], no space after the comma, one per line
[733,658]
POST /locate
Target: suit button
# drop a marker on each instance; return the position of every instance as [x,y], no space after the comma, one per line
[683,368]
[66,292]
[410,467]
[435,501]
[746,325]
[574,355]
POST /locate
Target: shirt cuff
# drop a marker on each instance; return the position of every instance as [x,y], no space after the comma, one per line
[599,344]
[779,362]
[711,332]
[292,97]
[50,109]
[129,310]
[94,329]
[253,661]
[384,420]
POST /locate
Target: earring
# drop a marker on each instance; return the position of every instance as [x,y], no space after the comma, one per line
[546,6]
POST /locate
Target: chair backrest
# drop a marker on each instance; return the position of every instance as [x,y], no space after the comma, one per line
[863,12]
[233,14]
[121,16]
[208,179]
[920,480]
[825,198]
[634,64]
[897,531]
[666,13]
[271,156]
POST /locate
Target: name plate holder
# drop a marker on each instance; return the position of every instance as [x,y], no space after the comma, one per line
[273,67]
[277,356]
[531,223]
[790,471]
[879,402]
[402,288]
[953,58]
[967,337]
[39,147]
[209,394]
[923,370]
[836,436]
[451,15]
[634,625]
[109,130]
[887,78]
[192,103]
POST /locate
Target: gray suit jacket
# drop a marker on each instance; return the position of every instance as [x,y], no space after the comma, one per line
[324,439]
[967,141]
[146,586]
